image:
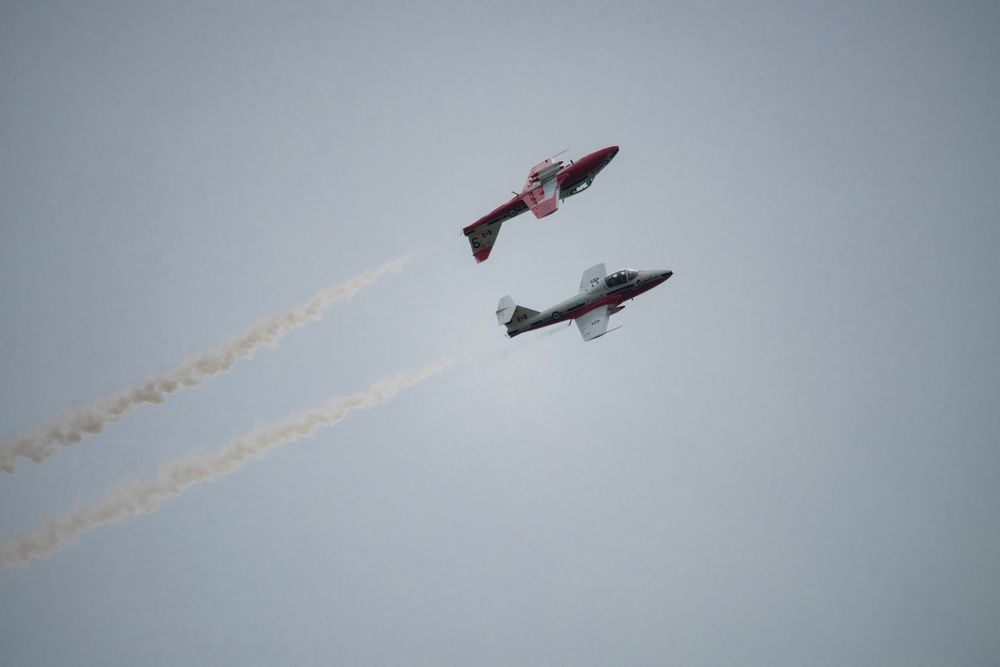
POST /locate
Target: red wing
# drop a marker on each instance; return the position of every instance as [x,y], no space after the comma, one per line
[482,234]
[542,172]
[541,190]
[544,199]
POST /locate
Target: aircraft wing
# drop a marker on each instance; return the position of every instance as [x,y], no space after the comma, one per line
[543,199]
[594,324]
[541,190]
[592,278]
[482,234]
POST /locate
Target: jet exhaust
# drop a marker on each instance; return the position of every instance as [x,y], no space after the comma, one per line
[59,532]
[73,425]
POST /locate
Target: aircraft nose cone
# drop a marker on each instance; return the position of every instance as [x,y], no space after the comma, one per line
[604,155]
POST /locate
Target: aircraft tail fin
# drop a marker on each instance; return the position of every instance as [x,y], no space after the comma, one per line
[482,238]
[509,313]
[505,309]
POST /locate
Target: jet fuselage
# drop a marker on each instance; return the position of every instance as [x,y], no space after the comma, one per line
[584,171]
[548,183]
[584,302]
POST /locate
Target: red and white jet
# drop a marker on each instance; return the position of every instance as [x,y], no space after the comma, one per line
[548,183]
[600,297]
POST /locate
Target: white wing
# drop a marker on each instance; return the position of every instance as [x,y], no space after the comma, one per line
[595,323]
[592,278]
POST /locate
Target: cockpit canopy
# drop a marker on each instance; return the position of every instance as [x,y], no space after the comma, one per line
[621,277]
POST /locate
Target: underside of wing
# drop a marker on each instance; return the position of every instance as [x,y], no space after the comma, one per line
[543,199]
[594,324]
[482,234]
[541,190]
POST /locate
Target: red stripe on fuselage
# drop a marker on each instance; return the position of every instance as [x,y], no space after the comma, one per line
[613,299]
[569,177]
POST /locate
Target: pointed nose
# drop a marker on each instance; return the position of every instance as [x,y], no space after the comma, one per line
[654,277]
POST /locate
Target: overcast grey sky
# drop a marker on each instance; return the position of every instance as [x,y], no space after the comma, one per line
[788,455]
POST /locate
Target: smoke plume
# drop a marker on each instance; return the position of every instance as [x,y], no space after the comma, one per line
[72,426]
[174,478]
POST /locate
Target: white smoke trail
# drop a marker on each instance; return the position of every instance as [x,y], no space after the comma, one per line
[72,426]
[173,479]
